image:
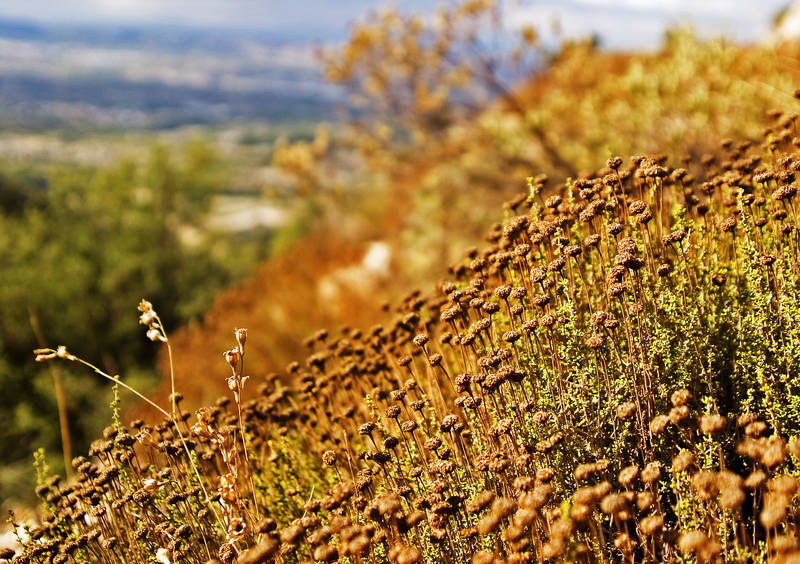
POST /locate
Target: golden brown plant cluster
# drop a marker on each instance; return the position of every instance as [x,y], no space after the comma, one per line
[612,378]
[444,122]
[410,177]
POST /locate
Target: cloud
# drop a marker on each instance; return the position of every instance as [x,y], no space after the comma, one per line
[621,23]
[266,14]
[625,24]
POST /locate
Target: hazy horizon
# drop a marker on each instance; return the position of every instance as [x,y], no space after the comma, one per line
[618,23]
[124,64]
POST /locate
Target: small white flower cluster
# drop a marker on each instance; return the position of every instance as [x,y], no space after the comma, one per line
[149,318]
[163,556]
[47,354]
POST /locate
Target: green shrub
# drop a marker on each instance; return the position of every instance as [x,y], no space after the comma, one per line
[78,247]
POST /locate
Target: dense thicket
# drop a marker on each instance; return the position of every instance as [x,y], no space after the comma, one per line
[426,186]
[612,378]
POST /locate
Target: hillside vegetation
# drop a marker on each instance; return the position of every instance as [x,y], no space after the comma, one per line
[105,233]
[611,378]
[537,350]
[430,194]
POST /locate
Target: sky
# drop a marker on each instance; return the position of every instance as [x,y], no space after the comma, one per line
[620,23]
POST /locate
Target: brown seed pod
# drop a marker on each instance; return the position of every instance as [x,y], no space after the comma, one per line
[680,397]
[628,475]
[651,472]
[652,524]
[658,424]
[712,423]
[683,461]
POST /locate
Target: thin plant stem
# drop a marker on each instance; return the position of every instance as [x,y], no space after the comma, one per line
[61,400]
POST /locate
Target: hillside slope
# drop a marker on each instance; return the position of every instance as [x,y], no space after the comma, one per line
[420,199]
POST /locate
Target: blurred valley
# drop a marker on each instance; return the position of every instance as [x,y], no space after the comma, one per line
[84,78]
[134,161]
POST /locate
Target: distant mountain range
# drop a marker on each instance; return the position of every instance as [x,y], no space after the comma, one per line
[159,75]
[108,77]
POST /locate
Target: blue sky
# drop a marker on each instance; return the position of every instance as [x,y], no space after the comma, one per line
[621,23]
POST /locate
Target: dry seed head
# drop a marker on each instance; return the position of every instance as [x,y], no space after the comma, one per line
[232,357]
[616,290]
[614,228]
[682,461]
[241,337]
[664,269]
[712,423]
[488,524]
[730,487]
[227,553]
[755,479]
[585,471]
[704,483]
[644,217]
[692,541]
[784,484]
[585,496]
[409,555]
[651,472]
[502,292]
[680,397]
[626,410]
[539,498]
[553,548]
[627,246]
[644,500]
[598,318]
[597,341]
[627,475]
[774,509]
[636,207]
[329,458]
[553,202]
[728,225]
[678,415]
[592,240]
[481,501]
[547,320]
[556,265]
[544,475]
[580,513]
[658,424]
[753,428]
[751,448]
[774,452]
[617,505]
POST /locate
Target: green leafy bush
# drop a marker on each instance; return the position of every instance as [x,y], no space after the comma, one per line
[78,247]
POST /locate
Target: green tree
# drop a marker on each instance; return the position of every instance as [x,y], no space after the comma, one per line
[80,254]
